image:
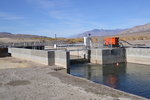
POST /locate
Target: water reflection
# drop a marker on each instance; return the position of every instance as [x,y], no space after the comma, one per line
[132,78]
[113,73]
[90,71]
[106,74]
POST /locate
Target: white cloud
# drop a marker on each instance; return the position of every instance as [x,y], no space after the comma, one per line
[9,16]
[69,18]
[58,9]
[50,3]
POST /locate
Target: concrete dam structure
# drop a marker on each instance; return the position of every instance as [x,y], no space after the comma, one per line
[62,58]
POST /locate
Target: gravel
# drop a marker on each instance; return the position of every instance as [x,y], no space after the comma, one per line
[26,80]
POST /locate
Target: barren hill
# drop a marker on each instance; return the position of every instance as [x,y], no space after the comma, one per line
[6,37]
[99,32]
[138,29]
[10,35]
[141,32]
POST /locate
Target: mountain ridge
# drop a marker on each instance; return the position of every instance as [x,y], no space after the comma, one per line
[11,35]
[99,32]
[137,30]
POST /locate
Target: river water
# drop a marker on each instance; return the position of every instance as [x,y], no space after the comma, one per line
[128,77]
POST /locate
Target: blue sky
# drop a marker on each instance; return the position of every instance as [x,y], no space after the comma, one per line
[69,17]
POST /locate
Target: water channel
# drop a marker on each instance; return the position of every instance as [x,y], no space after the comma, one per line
[128,77]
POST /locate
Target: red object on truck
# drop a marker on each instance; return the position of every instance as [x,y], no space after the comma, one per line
[111,42]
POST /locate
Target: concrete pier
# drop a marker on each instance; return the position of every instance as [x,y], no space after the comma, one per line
[62,58]
[108,55]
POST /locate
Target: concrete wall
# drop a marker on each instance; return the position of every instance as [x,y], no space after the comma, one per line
[40,56]
[50,57]
[34,47]
[77,53]
[80,53]
[62,58]
[138,55]
[99,56]
[108,56]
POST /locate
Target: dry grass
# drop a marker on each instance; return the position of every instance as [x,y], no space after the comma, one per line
[127,37]
[70,41]
[74,40]
[17,40]
[137,36]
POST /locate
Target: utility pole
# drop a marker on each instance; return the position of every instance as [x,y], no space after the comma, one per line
[55,38]
[55,42]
